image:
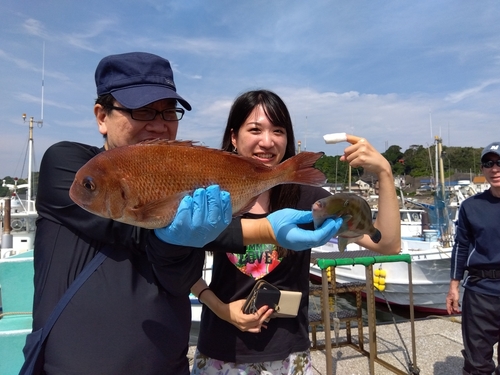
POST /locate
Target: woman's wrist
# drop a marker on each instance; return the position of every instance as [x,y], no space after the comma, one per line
[201,292]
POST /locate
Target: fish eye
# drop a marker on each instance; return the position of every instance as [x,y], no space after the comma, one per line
[88,183]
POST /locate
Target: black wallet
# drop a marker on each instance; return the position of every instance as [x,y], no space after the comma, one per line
[284,303]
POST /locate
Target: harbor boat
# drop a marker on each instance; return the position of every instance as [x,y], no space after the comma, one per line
[430,273]
[18,227]
[17,217]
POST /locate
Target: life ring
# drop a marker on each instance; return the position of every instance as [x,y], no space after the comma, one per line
[17,224]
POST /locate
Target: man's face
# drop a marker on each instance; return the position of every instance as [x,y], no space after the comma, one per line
[121,130]
[492,174]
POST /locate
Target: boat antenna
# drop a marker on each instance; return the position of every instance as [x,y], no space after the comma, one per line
[31,146]
[43,80]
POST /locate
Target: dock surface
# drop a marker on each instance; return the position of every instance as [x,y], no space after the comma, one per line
[438,343]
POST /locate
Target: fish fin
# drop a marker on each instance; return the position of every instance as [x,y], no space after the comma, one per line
[170,142]
[342,243]
[376,236]
[345,224]
[304,172]
[154,211]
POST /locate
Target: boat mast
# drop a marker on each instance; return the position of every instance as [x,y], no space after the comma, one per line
[30,158]
[31,148]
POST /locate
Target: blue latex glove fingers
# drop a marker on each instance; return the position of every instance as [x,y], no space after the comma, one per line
[327,230]
[199,207]
[199,219]
[184,212]
[289,235]
[219,205]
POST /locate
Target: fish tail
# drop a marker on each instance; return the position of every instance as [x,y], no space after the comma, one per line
[376,236]
[303,171]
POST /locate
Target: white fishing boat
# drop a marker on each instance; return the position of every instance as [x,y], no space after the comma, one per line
[430,273]
[17,216]
[18,226]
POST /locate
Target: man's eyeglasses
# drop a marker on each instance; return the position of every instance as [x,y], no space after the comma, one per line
[148,114]
[490,163]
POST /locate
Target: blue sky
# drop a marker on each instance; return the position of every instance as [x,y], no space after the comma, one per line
[377,69]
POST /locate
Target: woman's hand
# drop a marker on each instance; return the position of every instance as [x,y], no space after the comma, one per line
[246,322]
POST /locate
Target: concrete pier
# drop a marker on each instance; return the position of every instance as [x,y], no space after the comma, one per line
[438,343]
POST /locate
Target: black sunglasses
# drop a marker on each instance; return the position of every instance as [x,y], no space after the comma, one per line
[490,163]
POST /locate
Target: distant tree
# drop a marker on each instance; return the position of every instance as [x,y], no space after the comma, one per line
[416,161]
[393,154]
[336,170]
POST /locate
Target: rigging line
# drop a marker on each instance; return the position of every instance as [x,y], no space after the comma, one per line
[412,369]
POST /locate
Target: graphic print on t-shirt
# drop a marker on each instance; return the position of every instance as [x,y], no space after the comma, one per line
[258,261]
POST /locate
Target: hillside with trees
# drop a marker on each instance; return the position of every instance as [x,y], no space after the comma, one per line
[417,162]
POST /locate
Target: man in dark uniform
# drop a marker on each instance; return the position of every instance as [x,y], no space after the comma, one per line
[476,249]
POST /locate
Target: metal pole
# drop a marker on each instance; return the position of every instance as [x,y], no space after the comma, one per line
[436,181]
[326,322]
[370,307]
[412,316]
[30,161]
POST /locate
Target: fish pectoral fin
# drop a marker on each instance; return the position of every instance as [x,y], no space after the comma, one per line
[156,209]
[345,225]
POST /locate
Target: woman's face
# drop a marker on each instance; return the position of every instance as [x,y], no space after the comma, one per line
[260,139]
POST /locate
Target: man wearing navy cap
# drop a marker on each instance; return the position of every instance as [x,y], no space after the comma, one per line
[476,249]
[133,314]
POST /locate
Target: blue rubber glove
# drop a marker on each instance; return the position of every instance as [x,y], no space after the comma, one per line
[199,219]
[284,224]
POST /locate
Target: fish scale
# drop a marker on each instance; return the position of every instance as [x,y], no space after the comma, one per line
[143,184]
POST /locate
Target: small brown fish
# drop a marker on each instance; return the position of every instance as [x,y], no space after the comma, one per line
[355,212]
[142,184]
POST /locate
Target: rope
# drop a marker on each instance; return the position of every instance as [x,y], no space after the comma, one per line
[15,313]
[412,369]
[452,319]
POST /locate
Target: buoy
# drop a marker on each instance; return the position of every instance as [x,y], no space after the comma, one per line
[379,279]
[329,274]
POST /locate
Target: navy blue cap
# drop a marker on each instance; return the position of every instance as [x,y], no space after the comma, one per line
[491,148]
[137,79]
